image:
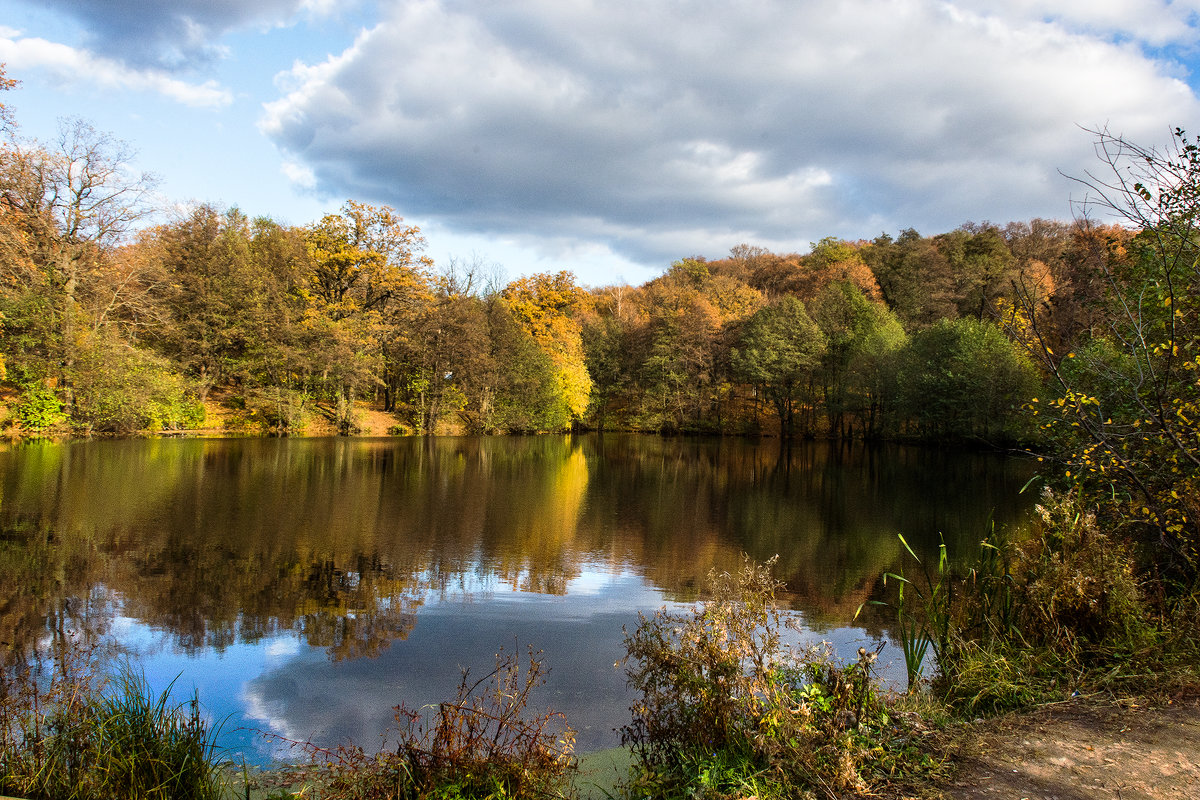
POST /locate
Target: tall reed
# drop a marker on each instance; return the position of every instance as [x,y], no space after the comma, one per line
[923,620]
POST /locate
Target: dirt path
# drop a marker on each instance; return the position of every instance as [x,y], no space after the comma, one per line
[1084,750]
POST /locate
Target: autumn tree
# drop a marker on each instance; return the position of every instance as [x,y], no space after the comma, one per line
[363,259]
[770,274]
[65,207]
[6,114]
[548,306]
[680,371]
[612,332]
[364,263]
[212,287]
[1078,303]
[833,260]
[1043,240]
[524,388]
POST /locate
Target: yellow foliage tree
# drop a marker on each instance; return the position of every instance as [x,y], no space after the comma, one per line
[548,307]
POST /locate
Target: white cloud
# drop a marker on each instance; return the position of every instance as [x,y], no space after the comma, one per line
[71,66]
[1157,22]
[299,174]
[322,8]
[774,122]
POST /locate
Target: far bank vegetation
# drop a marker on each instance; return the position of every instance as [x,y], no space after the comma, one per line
[114,325]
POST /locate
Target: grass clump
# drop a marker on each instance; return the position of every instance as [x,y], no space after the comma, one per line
[480,745]
[1064,611]
[725,710]
[69,736]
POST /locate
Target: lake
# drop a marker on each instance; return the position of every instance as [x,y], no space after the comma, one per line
[305,587]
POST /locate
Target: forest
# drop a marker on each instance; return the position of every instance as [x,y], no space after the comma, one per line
[116,321]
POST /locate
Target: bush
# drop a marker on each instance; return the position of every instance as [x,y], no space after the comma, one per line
[724,709]
[1079,586]
[1059,612]
[479,745]
[121,389]
[39,409]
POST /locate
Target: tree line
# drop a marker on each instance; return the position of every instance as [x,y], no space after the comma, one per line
[112,324]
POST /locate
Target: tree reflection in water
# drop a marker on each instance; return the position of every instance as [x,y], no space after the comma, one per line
[453,546]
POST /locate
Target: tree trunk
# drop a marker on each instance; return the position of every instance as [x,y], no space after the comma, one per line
[345,412]
[67,387]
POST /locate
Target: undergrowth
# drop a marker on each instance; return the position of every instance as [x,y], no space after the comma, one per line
[1062,612]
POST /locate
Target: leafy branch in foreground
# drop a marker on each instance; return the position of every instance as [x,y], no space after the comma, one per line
[1124,398]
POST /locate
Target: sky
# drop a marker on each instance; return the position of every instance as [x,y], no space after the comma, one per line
[611,139]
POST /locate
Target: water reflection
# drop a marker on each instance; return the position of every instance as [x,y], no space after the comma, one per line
[312,584]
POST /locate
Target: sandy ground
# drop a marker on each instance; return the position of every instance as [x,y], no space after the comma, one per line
[1084,750]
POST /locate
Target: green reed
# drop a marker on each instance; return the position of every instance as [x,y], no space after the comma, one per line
[923,612]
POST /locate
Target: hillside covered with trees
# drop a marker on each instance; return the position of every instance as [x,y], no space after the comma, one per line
[113,324]
[115,321]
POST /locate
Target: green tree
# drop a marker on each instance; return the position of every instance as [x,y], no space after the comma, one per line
[779,351]
[964,379]
[524,392]
[871,376]
[276,359]
[915,278]
[442,359]
[860,336]
[981,264]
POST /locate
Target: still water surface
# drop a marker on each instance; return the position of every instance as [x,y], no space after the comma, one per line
[304,587]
